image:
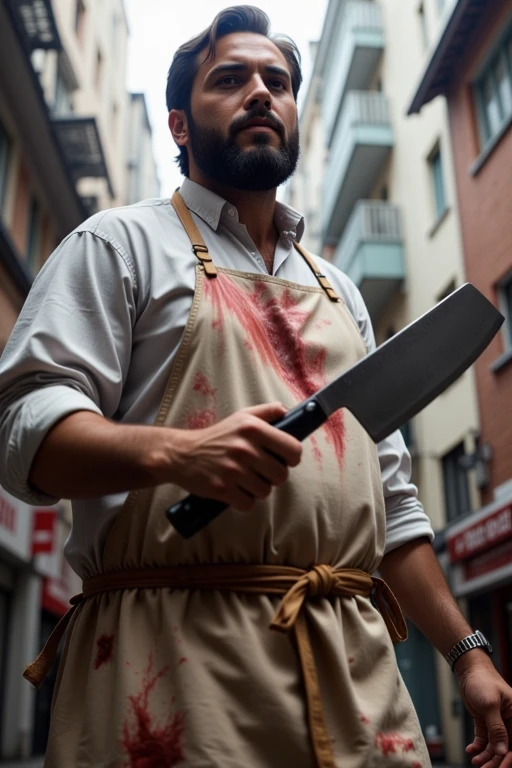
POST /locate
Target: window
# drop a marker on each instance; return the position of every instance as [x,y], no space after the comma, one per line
[5,151]
[63,103]
[494,93]
[505,294]
[34,235]
[79,19]
[423,24]
[436,169]
[456,486]
[98,75]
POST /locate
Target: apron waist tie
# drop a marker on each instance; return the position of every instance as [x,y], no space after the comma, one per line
[295,584]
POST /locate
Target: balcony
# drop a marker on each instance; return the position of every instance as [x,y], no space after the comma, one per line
[362,142]
[358,42]
[371,252]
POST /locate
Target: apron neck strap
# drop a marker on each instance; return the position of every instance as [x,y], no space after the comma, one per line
[322,280]
[202,253]
[198,244]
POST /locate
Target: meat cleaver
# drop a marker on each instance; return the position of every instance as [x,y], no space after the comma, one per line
[387,387]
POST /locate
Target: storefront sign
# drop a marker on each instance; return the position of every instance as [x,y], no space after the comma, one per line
[482,535]
[43,532]
[15,526]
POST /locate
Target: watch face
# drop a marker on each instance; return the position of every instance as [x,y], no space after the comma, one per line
[484,640]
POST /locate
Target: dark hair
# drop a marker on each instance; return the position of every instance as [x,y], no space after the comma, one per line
[240,18]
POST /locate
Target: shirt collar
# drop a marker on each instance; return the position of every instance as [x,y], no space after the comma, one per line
[212,208]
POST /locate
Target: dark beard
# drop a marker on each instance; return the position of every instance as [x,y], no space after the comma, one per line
[257,169]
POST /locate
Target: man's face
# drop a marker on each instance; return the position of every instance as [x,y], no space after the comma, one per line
[242,126]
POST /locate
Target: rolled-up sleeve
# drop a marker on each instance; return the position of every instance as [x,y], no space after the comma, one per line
[405,517]
[69,350]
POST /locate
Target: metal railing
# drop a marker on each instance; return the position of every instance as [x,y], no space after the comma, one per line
[361,108]
[356,16]
[371,221]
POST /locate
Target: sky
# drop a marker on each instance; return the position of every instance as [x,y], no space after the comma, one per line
[159,27]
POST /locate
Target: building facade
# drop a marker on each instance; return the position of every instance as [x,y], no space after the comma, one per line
[471,66]
[65,117]
[388,209]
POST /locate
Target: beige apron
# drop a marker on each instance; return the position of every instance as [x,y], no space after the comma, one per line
[167,665]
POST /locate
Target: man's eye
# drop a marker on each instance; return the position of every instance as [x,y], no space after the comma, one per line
[278,85]
[228,80]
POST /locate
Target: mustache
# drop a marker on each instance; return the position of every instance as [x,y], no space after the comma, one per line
[240,122]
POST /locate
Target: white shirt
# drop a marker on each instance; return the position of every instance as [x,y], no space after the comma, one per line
[100,328]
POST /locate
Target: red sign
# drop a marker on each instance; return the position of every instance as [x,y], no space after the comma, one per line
[43,531]
[482,535]
[7,515]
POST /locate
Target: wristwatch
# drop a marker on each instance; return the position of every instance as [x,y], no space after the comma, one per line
[476,640]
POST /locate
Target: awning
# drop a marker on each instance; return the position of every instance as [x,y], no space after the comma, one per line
[463,21]
[81,145]
[35,24]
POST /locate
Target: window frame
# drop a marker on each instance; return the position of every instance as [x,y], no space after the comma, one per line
[437,181]
[454,455]
[501,50]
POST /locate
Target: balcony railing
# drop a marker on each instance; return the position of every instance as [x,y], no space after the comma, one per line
[356,47]
[361,143]
[371,251]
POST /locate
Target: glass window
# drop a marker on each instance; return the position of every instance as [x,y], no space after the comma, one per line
[456,487]
[423,25]
[491,107]
[5,151]
[504,85]
[436,164]
[506,308]
[494,93]
[63,104]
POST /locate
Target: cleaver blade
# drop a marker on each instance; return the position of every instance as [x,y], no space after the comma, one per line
[387,387]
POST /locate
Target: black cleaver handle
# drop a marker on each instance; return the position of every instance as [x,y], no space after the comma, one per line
[193,513]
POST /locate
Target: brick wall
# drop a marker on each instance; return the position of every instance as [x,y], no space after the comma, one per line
[485,201]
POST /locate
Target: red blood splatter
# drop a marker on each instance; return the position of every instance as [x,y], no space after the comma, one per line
[183,660]
[350,659]
[203,386]
[416,764]
[274,327]
[365,720]
[148,745]
[390,743]
[317,453]
[201,419]
[105,647]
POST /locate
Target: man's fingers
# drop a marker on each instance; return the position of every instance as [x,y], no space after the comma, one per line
[496,732]
[267,411]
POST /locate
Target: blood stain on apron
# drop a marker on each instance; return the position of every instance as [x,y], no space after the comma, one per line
[148,745]
[105,648]
[391,743]
[274,329]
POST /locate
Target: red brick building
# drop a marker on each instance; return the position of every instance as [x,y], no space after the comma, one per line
[471,65]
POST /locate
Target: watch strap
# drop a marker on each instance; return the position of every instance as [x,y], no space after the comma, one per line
[475,640]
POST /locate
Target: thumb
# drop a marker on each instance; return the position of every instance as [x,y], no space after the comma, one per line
[496,732]
[268,411]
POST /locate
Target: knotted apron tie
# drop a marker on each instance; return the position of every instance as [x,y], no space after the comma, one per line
[295,584]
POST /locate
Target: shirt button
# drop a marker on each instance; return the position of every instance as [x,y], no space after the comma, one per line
[231,211]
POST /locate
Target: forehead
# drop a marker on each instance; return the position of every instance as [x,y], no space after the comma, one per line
[246,48]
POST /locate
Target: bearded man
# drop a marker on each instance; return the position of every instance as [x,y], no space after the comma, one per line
[157,346]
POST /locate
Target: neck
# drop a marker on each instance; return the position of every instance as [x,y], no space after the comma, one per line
[255,210]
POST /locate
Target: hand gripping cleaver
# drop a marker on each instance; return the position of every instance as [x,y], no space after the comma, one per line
[387,387]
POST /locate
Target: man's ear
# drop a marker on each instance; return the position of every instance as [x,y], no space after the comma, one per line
[178,125]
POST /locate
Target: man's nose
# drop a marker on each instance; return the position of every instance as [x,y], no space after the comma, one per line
[259,95]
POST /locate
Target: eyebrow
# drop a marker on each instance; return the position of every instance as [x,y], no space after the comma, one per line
[272,69]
